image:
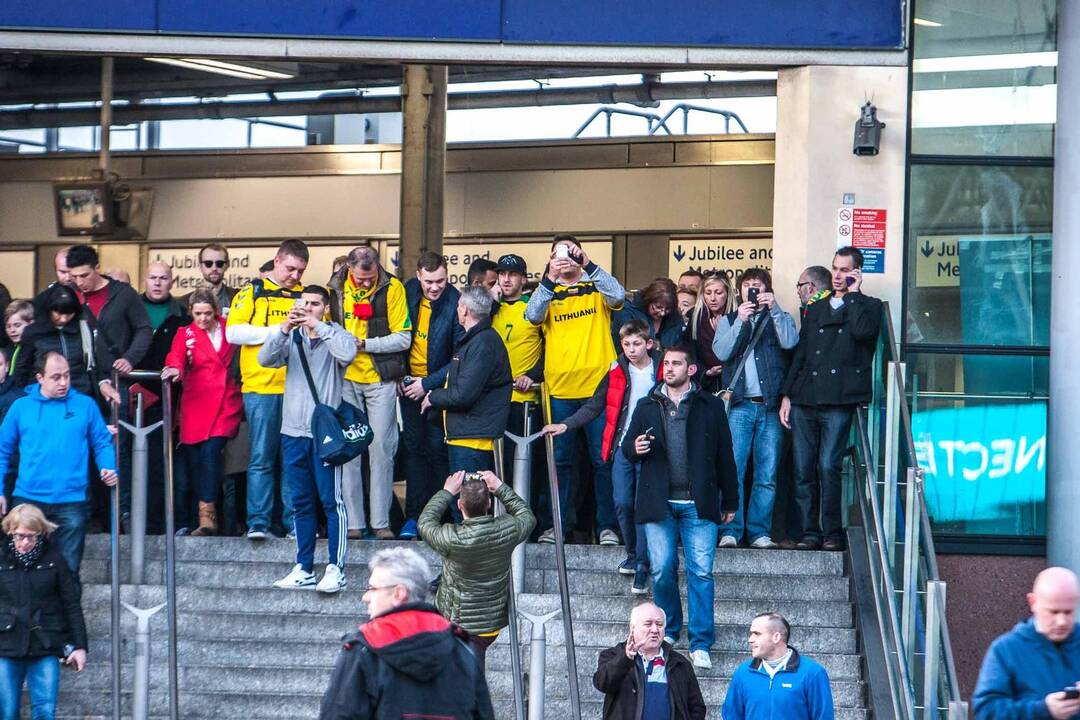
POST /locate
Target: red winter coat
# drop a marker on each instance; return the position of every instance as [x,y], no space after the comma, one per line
[210,405]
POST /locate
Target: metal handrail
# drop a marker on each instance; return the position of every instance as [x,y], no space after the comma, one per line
[919,545]
[607,112]
[903,700]
[687,108]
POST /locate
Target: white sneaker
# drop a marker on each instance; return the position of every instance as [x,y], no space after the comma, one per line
[332,580]
[609,537]
[701,658]
[547,537]
[763,543]
[728,541]
[296,579]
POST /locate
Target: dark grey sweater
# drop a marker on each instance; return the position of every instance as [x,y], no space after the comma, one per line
[675,417]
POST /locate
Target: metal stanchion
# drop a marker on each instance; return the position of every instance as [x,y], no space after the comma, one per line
[114,560]
[522,486]
[140,459]
[560,561]
[511,601]
[170,550]
[140,705]
[537,660]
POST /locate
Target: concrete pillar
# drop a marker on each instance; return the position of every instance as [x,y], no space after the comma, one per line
[815,121]
[423,162]
[1063,463]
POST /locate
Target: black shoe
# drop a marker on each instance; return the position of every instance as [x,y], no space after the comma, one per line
[833,544]
[808,544]
[640,585]
[628,566]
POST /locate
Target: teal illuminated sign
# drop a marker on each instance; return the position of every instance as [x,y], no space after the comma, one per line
[985,467]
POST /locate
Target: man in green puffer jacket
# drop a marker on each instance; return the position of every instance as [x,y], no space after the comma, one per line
[476,553]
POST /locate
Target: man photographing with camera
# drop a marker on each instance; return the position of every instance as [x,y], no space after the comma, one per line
[476,553]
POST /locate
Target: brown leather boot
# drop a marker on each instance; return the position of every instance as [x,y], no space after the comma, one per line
[207,519]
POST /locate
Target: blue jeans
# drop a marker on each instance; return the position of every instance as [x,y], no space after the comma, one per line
[310,481]
[42,677]
[699,545]
[756,429]
[70,537]
[264,423]
[624,475]
[819,437]
[565,460]
[469,459]
[208,460]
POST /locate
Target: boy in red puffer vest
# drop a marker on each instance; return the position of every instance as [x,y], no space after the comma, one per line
[631,377]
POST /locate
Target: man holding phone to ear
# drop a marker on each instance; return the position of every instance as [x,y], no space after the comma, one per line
[829,376]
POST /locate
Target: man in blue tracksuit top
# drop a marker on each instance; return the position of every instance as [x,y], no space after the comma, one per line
[777,683]
[54,427]
[1026,670]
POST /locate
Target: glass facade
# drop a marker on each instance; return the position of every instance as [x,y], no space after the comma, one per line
[978,252]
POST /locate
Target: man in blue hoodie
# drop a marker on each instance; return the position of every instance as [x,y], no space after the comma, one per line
[777,682]
[1026,671]
[54,428]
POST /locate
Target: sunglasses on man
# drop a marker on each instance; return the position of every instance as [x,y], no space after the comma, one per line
[214,263]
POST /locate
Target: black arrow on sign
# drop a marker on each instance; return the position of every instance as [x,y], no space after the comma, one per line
[927,249]
[679,254]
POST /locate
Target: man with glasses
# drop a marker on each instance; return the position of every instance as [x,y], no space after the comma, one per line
[213,262]
[407,660]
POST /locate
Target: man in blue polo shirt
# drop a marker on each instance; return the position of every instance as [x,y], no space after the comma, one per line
[777,682]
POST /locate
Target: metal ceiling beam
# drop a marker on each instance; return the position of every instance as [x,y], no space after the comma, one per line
[642,94]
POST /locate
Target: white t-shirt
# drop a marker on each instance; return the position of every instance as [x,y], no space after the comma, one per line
[640,383]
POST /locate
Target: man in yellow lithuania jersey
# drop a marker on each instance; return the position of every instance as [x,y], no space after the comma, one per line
[573,304]
[370,303]
[525,346]
[436,332]
[257,311]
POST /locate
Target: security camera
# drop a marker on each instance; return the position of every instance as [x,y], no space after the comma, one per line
[867,131]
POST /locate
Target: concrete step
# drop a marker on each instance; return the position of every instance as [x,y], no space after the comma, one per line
[94,705]
[248,575]
[348,602]
[322,654]
[330,628]
[578,557]
[309,680]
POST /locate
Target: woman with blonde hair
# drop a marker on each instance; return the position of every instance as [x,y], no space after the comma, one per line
[41,621]
[715,301]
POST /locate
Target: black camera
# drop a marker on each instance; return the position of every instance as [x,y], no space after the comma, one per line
[751,295]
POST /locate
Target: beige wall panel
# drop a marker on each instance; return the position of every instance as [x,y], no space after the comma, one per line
[122,256]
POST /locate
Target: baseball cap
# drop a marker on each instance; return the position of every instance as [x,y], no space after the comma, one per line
[511,263]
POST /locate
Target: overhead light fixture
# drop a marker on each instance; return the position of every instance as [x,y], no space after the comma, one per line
[926,23]
[245,70]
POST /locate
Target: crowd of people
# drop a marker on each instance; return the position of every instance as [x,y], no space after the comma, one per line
[671,403]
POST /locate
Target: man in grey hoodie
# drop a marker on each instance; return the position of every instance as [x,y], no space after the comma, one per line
[328,349]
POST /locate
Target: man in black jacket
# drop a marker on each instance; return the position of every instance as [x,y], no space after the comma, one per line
[829,375]
[407,660]
[476,398]
[686,488]
[122,336]
[643,678]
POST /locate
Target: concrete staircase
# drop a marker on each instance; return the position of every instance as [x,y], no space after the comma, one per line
[250,651]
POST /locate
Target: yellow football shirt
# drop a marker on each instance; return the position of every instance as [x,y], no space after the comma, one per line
[577,334]
[418,354]
[523,340]
[267,308]
[357,310]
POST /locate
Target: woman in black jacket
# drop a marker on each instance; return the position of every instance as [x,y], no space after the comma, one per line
[41,621]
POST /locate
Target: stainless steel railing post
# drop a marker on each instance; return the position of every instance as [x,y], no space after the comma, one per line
[511,603]
[140,704]
[911,562]
[560,563]
[114,559]
[140,459]
[537,662]
[935,608]
[891,451]
[170,549]
[523,487]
